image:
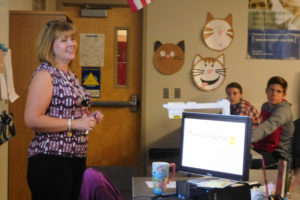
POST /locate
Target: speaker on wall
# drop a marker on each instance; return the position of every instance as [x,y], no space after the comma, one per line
[85,12]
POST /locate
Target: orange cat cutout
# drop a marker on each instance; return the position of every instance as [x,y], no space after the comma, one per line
[208,73]
[168,58]
[218,33]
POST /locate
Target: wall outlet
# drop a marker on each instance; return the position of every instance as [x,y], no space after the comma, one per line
[177,92]
[166,93]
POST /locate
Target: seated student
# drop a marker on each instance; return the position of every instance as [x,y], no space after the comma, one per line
[273,137]
[239,106]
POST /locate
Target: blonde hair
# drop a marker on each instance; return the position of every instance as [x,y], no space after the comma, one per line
[51,31]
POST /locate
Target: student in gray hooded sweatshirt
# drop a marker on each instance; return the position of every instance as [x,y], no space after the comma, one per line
[273,137]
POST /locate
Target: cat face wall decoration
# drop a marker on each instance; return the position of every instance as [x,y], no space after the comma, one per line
[208,73]
[218,33]
[168,58]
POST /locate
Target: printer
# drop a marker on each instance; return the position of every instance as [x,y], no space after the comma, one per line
[235,191]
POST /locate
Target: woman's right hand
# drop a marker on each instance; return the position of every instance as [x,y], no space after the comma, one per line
[85,123]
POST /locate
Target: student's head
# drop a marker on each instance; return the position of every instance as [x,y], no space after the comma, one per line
[234,92]
[260,4]
[276,90]
[56,42]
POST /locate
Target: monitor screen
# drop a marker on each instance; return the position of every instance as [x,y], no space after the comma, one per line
[215,145]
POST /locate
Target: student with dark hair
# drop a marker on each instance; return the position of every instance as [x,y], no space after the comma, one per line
[260,4]
[273,137]
[239,106]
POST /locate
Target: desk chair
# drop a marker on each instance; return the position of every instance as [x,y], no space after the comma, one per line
[96,186]
[296,152]
[296,144]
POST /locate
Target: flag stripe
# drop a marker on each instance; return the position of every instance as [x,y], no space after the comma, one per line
[144,2]
[132,5]
[138,4]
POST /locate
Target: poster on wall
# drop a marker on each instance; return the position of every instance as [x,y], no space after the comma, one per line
[92,49]
[90,80]
[274,29]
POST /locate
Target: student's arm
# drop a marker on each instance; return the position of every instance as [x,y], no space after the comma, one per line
[255,117]
[280,116]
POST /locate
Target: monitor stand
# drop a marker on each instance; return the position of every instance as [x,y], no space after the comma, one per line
[211,182]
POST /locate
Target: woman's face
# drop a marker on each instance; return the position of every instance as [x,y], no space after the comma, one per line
[64,48]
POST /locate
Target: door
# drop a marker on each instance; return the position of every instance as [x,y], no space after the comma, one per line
[115,142]
[24,28]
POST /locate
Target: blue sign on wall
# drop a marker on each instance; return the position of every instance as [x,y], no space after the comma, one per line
[90,80]
[273,44]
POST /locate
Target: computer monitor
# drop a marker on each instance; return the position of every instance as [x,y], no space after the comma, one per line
[215,145]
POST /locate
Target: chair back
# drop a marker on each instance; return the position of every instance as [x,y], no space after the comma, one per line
[296,144]
[96,186]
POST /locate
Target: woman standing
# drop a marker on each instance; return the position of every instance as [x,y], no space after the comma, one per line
[56,109]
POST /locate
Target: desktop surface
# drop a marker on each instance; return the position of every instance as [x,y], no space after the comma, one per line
[141,191]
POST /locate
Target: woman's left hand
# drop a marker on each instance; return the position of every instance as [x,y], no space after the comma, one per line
[97,115]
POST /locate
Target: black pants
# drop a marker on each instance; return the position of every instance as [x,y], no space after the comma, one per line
[55,177]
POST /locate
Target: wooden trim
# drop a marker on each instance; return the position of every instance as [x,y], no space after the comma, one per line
[114,3]
[25,12]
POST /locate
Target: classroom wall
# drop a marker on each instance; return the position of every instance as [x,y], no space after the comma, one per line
[171,21]
[4,147]
[20,4]
[5,6]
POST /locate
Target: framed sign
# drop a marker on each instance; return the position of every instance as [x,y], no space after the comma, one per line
[91,81]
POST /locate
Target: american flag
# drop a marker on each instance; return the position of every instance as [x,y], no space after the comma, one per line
[138,4]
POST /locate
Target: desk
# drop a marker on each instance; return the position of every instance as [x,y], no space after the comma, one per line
[141,191]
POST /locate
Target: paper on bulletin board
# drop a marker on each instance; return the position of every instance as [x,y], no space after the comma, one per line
[91,49]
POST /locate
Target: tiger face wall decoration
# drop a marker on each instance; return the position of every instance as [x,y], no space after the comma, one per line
[208,73]
[218,33]
[168,58]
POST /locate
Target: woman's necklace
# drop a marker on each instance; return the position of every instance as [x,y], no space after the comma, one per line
[79,92]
